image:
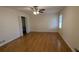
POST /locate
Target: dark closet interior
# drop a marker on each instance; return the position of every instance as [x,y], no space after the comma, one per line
[23,24]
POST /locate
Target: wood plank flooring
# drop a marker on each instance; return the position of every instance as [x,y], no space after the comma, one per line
[37,42]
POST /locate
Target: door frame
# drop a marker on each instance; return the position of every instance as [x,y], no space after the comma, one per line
[27,24]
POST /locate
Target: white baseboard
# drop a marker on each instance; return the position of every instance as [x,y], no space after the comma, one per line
[67,43]
[7,41]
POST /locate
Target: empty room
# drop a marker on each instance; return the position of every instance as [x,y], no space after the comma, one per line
[39,29]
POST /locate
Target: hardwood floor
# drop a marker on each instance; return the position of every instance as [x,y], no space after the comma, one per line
[37,42]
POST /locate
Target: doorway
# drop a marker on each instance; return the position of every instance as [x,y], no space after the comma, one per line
[23,19]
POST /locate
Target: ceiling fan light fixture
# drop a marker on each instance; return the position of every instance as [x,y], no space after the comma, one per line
[35,12]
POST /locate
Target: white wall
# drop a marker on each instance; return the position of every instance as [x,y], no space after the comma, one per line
[9,24]
[70,29]
[44,22]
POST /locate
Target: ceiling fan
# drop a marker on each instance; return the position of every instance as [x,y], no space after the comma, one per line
[37,10]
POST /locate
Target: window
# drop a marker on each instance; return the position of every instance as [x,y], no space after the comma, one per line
[60,21]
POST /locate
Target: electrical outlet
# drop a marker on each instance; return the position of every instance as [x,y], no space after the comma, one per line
[2,41]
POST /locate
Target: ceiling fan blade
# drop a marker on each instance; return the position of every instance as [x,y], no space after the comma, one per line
[41,9]
[35,7]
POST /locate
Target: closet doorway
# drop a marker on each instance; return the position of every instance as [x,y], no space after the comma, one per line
[23,19]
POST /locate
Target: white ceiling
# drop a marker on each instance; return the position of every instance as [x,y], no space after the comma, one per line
[49,9]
